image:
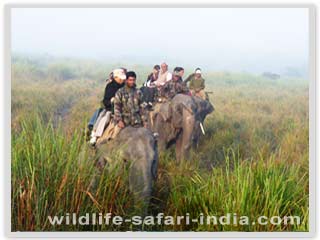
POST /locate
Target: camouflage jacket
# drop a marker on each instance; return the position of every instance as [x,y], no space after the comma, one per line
[127,106]
[172,88]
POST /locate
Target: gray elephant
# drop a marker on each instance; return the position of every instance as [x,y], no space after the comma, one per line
[178,122]
[136,147]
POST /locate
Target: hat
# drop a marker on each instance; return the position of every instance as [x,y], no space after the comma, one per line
[198,71]
[119,73]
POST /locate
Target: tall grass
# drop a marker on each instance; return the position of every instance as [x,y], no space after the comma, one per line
[50,177]
[53,175]
[252,187]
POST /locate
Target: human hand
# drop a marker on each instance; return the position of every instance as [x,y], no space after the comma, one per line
[121,124]
[152,85]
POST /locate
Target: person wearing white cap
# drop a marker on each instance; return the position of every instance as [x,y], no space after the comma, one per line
[115,82]
[197,84]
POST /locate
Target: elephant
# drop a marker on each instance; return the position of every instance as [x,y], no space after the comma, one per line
[136,147]
[178,122]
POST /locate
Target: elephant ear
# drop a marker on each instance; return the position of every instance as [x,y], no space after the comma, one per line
[166,111]
[177,114]
[204,107]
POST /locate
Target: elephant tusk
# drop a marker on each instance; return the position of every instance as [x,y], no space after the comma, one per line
[202,128]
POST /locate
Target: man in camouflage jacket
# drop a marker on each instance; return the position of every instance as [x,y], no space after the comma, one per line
[127,104]
[173,87]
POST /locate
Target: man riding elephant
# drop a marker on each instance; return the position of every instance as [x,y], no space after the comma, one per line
[128,110]
[173,87]
[103,116]
[163,77]
[134,144]
[180,70]
[197,84]
[149,89]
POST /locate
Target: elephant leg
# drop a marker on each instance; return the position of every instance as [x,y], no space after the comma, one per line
[99,166]
[197,134]
[102,161]
[162,144]
[142,174]
[140,184]
[183,146]
[185,139]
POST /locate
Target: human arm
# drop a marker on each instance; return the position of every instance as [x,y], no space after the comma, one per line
[184,88]
[142,110]
[107,97]
[118,109]
[188,79]
[169,77]
[148,81]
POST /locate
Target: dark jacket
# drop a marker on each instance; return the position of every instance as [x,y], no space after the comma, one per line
[109,93]
[150,79]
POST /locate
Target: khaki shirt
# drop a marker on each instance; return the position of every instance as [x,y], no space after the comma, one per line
[196,84]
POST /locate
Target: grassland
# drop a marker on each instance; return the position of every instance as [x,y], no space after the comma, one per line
[252,161]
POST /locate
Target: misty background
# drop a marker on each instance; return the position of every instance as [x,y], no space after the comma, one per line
[251,40]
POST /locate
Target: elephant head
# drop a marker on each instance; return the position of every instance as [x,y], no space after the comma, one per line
[178,121]
[203,108]
[135,147]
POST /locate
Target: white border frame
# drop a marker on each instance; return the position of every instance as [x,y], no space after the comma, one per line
[312,128]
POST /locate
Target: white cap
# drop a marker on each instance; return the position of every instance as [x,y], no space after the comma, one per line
[119,73]
[198,71]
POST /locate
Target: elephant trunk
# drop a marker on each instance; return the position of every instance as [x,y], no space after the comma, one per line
[184,141]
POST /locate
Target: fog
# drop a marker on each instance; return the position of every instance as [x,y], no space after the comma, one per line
[233,39]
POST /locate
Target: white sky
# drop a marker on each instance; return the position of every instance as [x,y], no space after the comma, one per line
[240,39]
